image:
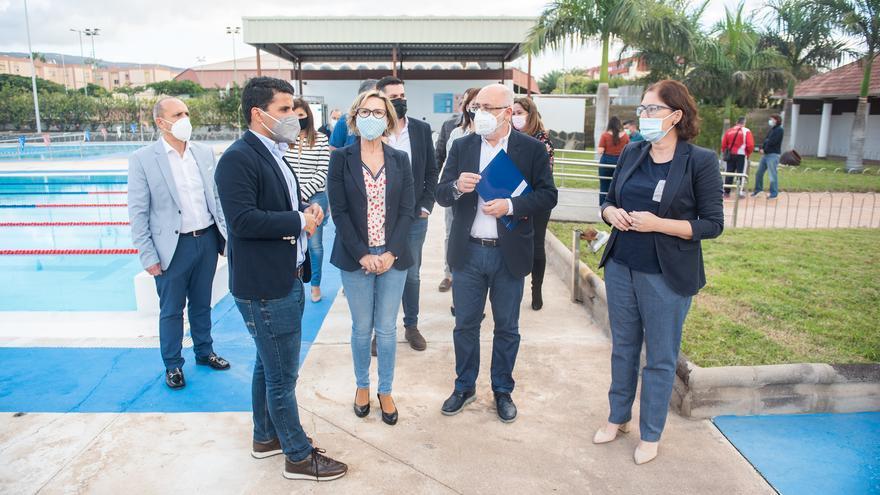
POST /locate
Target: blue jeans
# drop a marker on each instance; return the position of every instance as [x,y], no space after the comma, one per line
[316,242]
[374,301]
[189,276]
[769,163]
[642,307]
[417,233]
[276,327]
[485,274]
[605,184]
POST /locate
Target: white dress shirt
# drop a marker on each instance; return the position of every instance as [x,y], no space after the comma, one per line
[486,226]
[194,213]
[277,150]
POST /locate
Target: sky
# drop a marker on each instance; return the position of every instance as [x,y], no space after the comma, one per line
[183,33]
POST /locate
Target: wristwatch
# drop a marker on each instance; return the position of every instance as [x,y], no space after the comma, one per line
[455,192]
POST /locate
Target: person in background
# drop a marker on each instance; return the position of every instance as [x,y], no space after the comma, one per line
[664,200]
[327,129]
[413,137]
[373,204]
[632,130]
[739,142]
[179,229]
[465,127]
[268,263]
[611,144]
[771,149]
[341,136]
[527,119]
[488,259]
[308,157]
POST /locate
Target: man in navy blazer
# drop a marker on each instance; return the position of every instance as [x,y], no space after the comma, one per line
[486,258]
[268,263]
[413,137]
[178,228]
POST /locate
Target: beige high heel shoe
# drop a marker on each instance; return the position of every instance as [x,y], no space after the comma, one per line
[604,436]
[645,452]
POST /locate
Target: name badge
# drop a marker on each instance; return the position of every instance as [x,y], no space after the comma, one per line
[658,191]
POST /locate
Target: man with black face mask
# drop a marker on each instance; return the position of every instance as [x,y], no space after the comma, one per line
[413,137]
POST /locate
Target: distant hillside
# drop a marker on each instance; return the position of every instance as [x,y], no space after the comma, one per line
[76,59]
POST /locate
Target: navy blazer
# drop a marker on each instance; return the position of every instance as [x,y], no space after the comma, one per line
[693,192]
[259,214]
[348,202]
[424,164]
[532,160]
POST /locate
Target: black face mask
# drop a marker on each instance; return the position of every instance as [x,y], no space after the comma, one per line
[399,107]
[303,123]
[471,114]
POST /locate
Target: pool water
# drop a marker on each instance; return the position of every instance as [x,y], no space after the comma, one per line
[59,151]
[64,282]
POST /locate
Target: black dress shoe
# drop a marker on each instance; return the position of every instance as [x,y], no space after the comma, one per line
[214,361]
[174,378]
[537,299]
[388,418]
[456,402]
[361,411]
[505,407]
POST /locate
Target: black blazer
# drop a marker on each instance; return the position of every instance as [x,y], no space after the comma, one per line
[693,192]
[259,213]
[532,160]
[424,164]
[348,202]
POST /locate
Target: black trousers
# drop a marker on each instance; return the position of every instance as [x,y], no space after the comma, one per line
[539,262]
[737,163]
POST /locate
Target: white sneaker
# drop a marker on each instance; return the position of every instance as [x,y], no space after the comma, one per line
[608,433]
[601,240]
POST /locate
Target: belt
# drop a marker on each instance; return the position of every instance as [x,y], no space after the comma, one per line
[484,242]
[300,272]
[198,233]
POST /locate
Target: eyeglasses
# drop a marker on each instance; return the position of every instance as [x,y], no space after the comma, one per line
[486,108]
[379,113]
[650,110]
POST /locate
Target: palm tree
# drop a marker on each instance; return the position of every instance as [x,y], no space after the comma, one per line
[603,20]
[802,32]
[733,68]
[860,19]
[672,56]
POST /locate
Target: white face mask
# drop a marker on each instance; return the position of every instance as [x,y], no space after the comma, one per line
[285,130]
[485,123]
[182,129]
[771,123]
[518,121]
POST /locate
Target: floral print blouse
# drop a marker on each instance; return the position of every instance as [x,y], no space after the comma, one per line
[375,186]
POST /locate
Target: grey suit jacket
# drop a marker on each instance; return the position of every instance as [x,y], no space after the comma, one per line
[154,205]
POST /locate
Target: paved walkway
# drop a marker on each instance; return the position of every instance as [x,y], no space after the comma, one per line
[562,381]
[806,210]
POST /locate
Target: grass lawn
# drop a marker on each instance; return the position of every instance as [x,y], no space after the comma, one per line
[781,296]
[820,176]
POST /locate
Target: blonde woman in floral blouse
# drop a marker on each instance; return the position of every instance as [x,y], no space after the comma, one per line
[370,186]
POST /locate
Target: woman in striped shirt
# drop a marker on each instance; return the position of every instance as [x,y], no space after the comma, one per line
[309,158]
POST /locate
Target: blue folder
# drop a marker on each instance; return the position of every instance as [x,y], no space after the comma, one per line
[501,179]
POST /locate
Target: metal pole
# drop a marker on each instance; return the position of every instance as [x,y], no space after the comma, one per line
[82,61]
[576,265]
[529,90]
[64,71]
[260,66]
[27,24]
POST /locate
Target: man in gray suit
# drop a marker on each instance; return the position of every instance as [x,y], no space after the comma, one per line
[178,228]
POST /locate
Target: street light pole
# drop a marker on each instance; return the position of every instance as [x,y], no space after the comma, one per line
[82,60]
[91,33]
[27,24]
[233,31]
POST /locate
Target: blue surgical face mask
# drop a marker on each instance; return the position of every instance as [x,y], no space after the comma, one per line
[371,127]
[652,128]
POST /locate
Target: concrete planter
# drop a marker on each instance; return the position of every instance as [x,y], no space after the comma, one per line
[739,390]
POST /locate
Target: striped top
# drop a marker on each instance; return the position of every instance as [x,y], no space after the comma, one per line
[310,165]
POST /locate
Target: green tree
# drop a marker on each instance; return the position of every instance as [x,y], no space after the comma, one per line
[95,90]
[802,31]
[129,90]
[580,21]
[177,88]
[861,20]
[549,81]
[733,69]
[673,60]
[21,83]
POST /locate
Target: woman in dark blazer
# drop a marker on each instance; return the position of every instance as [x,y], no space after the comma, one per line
[370,186]
[665,197]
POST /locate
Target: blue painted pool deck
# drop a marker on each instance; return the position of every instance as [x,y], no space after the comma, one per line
[811,454]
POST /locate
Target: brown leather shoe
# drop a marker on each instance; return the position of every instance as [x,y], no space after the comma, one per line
[445,285]
[316,467]
[262,450]
[415,339]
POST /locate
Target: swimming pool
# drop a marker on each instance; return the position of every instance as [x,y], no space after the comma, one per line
[66,150]
[46,218]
